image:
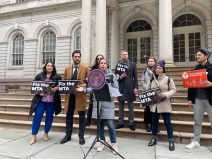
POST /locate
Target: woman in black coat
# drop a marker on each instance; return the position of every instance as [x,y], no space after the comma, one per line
[49,102]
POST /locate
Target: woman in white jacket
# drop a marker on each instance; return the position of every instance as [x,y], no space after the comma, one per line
[164,108]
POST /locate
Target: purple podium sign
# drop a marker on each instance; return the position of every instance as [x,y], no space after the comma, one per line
[96,79]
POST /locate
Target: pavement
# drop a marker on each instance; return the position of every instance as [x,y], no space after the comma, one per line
[14,144]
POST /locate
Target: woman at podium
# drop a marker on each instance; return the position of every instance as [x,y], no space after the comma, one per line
[106,108]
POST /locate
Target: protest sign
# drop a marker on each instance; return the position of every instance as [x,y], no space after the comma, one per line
[42,87]
[194,78]
[68,86]
[150,97]
[121,68]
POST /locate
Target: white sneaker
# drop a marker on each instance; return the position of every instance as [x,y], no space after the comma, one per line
[101,147]
[192,145]
[114,146]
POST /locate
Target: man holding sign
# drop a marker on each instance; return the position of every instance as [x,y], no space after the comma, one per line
[75,102]
[199,99]
[128,87]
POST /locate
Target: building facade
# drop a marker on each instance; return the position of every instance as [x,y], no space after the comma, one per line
[34,31]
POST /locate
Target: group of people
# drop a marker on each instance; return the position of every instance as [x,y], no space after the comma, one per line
[127,84]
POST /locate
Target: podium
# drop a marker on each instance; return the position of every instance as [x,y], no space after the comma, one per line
[101,94]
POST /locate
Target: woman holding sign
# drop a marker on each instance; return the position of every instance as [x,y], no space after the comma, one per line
[45,101]
[107,108]
[164,108]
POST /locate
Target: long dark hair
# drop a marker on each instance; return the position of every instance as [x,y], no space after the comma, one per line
[54,72]
[96,64]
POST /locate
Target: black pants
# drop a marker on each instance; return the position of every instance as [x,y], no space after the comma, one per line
[90,109]
[70,118]
[147,116]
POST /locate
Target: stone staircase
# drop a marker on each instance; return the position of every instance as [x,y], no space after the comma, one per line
[16,97]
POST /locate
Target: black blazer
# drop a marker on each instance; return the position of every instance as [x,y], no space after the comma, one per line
[37,97]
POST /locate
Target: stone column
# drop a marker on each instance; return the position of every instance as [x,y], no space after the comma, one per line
[101,27]
[63,54]
[114,38]
[3,60]
[165,31]
[30,58]
[208,32]
[155,42]
[86,32]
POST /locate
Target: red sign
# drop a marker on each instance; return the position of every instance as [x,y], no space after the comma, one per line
[194,78]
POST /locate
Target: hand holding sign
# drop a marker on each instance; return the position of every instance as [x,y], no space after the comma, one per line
[207,83]
[79,87]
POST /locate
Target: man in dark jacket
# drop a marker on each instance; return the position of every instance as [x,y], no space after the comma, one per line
[128,87]
[199,98]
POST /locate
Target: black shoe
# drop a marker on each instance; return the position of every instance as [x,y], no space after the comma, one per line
[148,128]
[171,146]
[119,126]
[88,123]
[132,127]
[81,141]
[65,139]
[152,142]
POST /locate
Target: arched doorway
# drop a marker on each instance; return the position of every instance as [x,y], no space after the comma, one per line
[187,38]
[138,41]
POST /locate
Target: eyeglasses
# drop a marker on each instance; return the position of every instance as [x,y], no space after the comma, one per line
[99,58]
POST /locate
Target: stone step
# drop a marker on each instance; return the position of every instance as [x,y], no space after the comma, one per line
[180,137]
[139,113]
[181,106]
[178,125]
[175,98]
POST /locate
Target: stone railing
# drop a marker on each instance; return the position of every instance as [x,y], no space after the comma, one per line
[13,84]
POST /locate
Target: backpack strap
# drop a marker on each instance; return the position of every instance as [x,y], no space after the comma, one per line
[169,79]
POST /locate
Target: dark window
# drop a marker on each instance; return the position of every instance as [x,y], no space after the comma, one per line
[18,50]
[139,25]
[186,20]
[49,47]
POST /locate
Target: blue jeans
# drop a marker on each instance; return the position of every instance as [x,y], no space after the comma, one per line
[167,122]
[39,111]
[111,127]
